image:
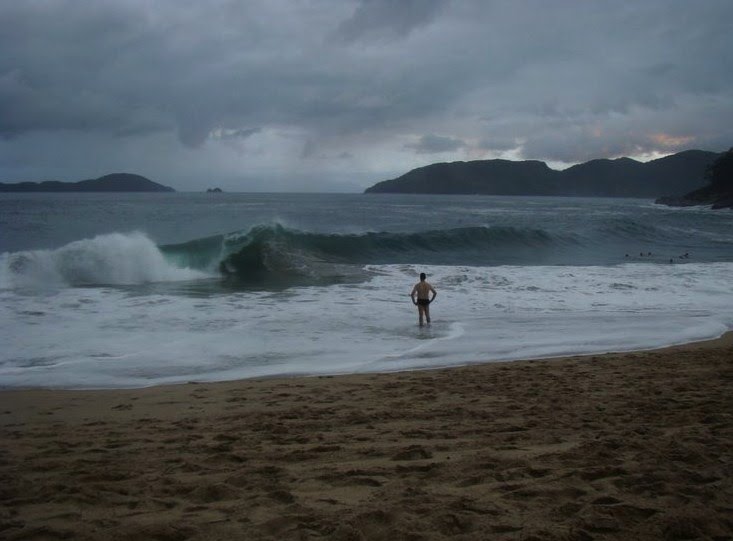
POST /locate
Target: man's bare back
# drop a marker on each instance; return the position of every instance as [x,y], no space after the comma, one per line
[423,290]
[422,299]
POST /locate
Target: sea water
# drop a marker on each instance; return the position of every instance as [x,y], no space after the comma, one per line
[126,290]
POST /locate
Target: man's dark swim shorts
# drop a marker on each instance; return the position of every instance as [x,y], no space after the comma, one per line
[423,302]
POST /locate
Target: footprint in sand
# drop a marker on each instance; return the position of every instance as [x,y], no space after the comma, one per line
[413,452]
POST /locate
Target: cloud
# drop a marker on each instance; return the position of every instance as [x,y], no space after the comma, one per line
[392,19]
[233,134]
[436,144]
[289,84]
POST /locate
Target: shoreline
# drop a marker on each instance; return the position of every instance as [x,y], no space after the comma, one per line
[606,446]
[724,339]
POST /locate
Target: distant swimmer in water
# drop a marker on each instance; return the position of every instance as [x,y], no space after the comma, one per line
[422,299]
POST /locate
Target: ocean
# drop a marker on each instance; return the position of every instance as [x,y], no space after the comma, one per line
[133,290]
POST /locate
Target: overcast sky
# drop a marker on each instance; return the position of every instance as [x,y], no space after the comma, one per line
[335,95]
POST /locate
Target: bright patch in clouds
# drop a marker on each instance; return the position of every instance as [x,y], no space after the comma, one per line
[671,141]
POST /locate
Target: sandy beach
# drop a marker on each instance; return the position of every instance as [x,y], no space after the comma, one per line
[616,446]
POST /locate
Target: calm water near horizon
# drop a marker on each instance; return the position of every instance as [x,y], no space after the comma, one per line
[124,290]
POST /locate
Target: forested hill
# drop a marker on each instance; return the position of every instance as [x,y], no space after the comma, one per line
[672,175]
[116,182]
[718,193]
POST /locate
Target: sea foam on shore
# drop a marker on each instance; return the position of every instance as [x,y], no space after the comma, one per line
[150,334]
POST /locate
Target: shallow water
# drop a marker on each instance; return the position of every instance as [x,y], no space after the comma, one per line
[118,290]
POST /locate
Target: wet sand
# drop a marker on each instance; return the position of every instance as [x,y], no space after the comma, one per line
[618,446]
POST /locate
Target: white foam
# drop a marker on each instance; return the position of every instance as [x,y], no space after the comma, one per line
[113,259]
[112,337]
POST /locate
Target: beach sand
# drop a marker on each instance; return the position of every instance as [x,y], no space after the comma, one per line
[628,446]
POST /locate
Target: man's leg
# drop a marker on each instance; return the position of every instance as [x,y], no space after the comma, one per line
[420,312]
[427,313]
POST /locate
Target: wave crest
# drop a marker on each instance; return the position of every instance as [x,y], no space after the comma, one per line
[273,252]
[265,254]
[113,259]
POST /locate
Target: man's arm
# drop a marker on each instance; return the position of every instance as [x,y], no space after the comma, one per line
[412,295]
[435,293]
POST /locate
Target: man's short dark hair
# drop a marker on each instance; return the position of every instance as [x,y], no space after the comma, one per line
[422,276]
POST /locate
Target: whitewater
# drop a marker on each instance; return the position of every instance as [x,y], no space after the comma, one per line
[115,290]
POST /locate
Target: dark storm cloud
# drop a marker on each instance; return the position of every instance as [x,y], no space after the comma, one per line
[284,82]
[388,18]
[57,69]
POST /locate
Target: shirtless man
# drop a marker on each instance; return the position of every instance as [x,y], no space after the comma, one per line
[422,299]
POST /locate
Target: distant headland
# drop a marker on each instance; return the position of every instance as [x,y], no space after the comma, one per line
[717,194]
[116,182]
[675,175]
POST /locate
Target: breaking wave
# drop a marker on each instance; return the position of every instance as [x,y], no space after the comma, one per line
[113,259]
[271,252]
